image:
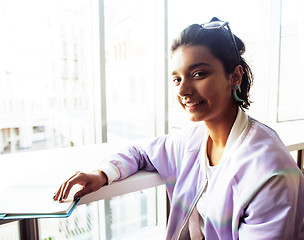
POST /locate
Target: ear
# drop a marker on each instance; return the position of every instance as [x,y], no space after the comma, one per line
[237,75]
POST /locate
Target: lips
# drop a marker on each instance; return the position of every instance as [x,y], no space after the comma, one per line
[192,104]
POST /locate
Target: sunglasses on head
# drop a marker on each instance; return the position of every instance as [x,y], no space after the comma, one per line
[220,25]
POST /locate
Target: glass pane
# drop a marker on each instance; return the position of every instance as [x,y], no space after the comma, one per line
[81,225]
[9,231]
[132,212]
[46,85]
[134,47]
[128,215]
[134,55]
[45,75]
[184,13]
[291,84]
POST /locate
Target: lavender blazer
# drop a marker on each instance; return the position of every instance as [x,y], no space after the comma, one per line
[257,192]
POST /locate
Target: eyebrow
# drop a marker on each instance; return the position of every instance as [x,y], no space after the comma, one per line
[193,66]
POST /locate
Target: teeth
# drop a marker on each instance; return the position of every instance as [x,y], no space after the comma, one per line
[191,104]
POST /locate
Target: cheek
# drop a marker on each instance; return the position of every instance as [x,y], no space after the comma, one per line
[215,89]
[205,89]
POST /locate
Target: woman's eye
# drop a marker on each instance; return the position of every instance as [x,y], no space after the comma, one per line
[176,80]
[199,74]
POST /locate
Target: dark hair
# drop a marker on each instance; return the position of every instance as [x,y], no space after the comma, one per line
[219,42]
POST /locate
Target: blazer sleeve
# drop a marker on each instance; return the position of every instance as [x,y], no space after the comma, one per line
[275,212]
[160,154]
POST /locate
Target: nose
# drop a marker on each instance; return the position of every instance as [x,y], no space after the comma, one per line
[185,88]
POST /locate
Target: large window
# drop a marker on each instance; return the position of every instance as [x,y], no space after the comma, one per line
[79,72]
[46,88]
[134,53]
[74,73]
[45,75]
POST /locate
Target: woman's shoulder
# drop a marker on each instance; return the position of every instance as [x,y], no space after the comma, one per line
[262,152]
[262,156]
[262,128]
[259,135]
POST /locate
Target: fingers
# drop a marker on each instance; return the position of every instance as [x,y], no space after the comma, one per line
[64,190]
[90,182]
[82,192]
[58,193]
[56,196]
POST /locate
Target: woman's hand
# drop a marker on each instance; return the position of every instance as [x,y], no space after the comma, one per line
[90,182]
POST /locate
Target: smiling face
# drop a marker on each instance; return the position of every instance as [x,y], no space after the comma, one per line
[202,86]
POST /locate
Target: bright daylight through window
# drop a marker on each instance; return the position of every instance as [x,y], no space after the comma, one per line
[50,96]
[82,72]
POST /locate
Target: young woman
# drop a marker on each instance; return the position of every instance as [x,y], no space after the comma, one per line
[228,176]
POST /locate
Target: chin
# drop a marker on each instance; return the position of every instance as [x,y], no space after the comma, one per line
[195,118]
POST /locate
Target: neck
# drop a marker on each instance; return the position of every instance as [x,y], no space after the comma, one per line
[219,130]
[218,134]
